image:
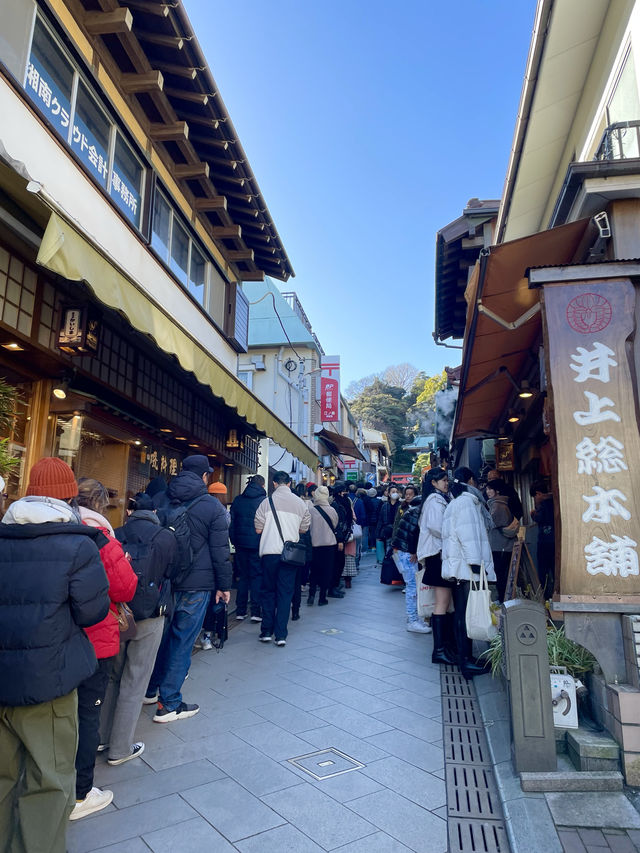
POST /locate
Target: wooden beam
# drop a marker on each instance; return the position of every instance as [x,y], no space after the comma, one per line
[183,95]
[149,81]
[188,170]
[219,161]
[218,202]
[239,255]
[208,140]
[177,70]
[172,42]
[194,118]
[252,275]
[175,132]
[223,232]
[102,23]
[151,8]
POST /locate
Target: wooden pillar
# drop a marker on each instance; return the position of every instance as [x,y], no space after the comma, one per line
[625,227]
[37,438]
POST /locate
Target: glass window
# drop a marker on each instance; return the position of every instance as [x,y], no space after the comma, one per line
[246,377]
[90,135]
[217,297]
[179,262]
[197,271]
[625,106]
[161,227]
[126,181]
[49,79]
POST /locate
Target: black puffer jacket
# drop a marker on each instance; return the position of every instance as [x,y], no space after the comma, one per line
[52,584]
[372,506]
[242,530]
[406,538]
[211,568]
[384,527]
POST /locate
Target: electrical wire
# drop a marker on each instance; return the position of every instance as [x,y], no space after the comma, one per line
[273,297]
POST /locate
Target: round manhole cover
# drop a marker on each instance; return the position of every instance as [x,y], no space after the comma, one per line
[527,634]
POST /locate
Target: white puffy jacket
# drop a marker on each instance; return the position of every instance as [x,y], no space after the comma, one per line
[431,515]
[464,539]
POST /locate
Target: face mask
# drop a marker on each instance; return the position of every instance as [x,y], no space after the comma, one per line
[394,496]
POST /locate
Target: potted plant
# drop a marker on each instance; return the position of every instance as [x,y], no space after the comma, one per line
[9,396]
[562,652]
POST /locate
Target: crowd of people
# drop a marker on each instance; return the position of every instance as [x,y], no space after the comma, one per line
[96,622]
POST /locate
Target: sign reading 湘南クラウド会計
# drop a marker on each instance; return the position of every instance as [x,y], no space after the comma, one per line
[587,327]
[330,388]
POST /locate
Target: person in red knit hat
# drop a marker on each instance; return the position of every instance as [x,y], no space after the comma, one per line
[52,585]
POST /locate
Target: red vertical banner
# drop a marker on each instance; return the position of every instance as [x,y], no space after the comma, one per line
[330,388]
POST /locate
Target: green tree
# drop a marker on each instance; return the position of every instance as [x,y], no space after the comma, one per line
[384,407]
[422,460]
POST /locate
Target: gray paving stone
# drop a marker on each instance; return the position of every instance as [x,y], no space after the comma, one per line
[232,810]
[131,845]
[367,667]
[376,843]
[274,741]
[347,786]
[599,810]
[413,702]
[441,812]
[295,694]
[172,781]
[423,687]
[571,841]
[319,816]
[366,683]
[312,680]
[255,771]
[215,723]
[329,736]
[592,837]
[358,700]
[124,824]
[282,839]
[368,653]
[183,753]
[403,820]
[411,723]
[415,751]
[225,704]
[530,827]
[104,775]
[193,836]
[292,719]
[423,788]
[352,721]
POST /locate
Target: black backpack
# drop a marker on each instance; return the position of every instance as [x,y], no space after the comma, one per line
[146,601]
[178,524]
[345,524]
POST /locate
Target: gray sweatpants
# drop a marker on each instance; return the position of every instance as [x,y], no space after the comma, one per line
[132,669]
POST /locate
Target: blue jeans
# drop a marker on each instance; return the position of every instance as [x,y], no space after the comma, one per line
[174,656]
[408,571]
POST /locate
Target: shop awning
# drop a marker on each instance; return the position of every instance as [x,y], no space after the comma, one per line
[63,250]
[499,286]
[340,444]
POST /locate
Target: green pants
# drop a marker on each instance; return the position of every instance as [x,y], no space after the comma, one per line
[37,775]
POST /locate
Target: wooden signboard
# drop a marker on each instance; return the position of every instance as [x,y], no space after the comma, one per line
[521,571]
[588,327]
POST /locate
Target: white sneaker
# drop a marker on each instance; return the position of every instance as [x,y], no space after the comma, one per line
[240,618]
[205,642]
[150,700]
[256,618]
[281,642]
[93,802]
[418,627]
[136,750]
[265,638]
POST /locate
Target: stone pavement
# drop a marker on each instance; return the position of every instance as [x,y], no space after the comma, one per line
[350,678]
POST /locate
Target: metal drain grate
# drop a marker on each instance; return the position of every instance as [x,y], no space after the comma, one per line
[472,792]
[460,711]
[464,745]
[475,820]
[454,684]
[473,836]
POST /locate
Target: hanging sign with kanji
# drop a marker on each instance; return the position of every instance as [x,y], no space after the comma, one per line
[330,388]
[588,326]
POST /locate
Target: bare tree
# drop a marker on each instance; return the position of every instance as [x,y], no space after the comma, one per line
[355,388]
[400,375]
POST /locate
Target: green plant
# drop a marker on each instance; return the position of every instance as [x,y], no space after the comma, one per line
[8,462]
[8,400]
[562,652]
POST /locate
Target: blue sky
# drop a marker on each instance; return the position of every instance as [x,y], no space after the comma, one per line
[369,125]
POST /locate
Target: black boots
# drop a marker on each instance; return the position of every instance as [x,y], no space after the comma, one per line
[465,660]
[312,595]
[441,654]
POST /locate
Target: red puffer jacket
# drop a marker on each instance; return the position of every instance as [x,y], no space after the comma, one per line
[105,636]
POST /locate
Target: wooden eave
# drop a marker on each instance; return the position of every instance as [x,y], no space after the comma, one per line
[186,122]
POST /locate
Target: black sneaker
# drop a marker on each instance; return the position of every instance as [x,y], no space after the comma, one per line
[136,750]
[164,715]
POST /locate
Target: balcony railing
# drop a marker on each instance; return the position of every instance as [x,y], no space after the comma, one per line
[292,298]
[620,141]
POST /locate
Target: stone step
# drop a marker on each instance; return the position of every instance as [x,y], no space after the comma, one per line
[592,750]
[572,780]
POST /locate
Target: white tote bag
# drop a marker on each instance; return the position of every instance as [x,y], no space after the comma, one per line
[478,617]
[426,596]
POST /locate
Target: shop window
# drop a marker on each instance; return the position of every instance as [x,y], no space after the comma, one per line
[91,134]
[197,272]
[127,180]
[161,227]
[17,20]
[179,262]
[17,293]
[49,79]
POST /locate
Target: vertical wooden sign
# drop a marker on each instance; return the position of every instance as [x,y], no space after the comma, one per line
[587,329]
